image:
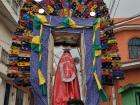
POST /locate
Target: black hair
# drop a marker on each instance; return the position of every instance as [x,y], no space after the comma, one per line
[66,50]
[75,102]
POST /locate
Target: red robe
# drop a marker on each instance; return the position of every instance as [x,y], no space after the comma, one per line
[66,84]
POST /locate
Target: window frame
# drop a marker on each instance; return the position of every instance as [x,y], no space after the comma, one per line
[131,45]
[4,56]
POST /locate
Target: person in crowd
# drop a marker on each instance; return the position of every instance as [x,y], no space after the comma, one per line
[75,102]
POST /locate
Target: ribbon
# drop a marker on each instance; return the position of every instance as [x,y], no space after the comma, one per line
[35,44]
[35,48]
[42,81]
[39,21]
[42,19]
[67,23]
[96,51]
[41,77]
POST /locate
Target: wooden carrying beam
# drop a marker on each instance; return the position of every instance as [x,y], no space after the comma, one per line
[66,39]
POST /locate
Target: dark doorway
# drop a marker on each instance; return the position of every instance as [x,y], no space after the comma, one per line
[7,93]
[19,97]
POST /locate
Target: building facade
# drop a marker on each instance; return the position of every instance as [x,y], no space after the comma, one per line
[127,91]
[9,15]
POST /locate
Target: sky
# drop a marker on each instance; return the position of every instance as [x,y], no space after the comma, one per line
[126,8]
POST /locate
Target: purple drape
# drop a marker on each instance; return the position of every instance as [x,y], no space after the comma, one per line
[39,99]
[92,95]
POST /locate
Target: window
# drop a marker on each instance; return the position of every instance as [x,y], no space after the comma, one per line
[15,6]
[4,56]
[134,48]
[9,1]
[130,94]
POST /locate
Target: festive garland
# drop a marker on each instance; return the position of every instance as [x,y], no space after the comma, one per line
[19,57]
[21,46]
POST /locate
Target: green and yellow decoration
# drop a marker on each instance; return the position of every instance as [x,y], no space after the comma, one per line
[29,16]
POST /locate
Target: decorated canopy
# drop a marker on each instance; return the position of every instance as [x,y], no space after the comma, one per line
[29,50]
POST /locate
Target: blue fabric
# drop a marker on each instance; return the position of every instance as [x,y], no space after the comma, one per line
[55,20]
[39,99]
[92,95]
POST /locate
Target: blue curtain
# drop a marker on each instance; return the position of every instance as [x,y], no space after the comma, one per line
[92,95]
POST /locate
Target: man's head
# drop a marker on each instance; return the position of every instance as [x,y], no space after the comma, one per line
[75,102]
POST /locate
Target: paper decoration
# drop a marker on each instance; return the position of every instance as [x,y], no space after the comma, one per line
[19,67]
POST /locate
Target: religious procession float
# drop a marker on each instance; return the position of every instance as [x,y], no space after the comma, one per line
[84,25]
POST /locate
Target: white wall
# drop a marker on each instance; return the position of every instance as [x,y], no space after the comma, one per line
[5,37]
[12,97]
[3,68]
[5,41]
[2,92]
[10,9]
[26,99]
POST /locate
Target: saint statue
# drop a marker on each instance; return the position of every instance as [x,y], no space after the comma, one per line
[66,86]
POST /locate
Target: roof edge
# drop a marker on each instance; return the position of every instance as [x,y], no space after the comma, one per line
[129,86]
